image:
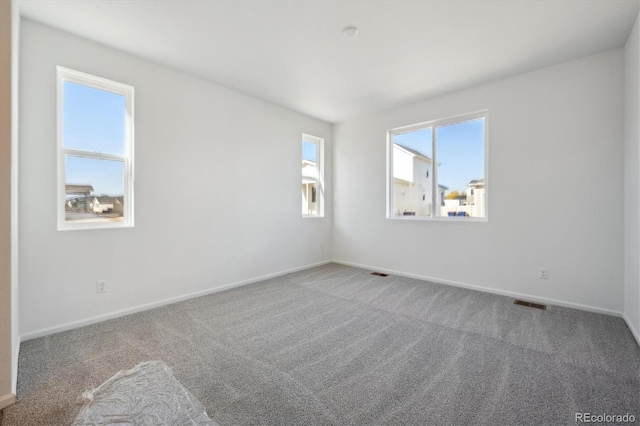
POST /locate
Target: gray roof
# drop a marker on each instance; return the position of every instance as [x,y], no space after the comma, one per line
[413,151]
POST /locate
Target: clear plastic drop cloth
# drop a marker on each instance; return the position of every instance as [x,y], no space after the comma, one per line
[148,394]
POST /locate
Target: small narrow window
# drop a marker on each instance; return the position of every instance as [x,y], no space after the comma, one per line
[437,169]
[95,152]
[312,176]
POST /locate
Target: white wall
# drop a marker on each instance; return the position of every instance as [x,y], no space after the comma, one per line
[554,134]
[199,146]
[632,183]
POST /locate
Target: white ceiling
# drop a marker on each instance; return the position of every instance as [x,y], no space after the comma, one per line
[293,53]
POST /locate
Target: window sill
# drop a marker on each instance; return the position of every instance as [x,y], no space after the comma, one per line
[439,219]
[93,226]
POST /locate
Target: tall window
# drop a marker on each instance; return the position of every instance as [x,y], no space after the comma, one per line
[312,176]
[95,152]
[437,169]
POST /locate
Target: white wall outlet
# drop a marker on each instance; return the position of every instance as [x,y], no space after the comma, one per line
[101,286]
[543,274]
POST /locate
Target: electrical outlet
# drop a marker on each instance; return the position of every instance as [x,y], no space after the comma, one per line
[543,274]
[101,286]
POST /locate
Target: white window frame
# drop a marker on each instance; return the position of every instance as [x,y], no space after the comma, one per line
[319,142]
[434,172]
[66,74]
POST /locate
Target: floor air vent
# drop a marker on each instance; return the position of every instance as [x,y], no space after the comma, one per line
[379,274]
[530,304]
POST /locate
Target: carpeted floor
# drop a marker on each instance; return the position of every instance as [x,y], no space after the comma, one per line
[335,345]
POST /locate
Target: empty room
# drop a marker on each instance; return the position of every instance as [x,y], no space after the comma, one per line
[319,212]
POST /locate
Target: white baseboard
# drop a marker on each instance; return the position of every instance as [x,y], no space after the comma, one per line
[7,400]
[98,318]
[527,297]
[634,331]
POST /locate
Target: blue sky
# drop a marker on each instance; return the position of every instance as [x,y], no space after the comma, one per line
[94,120]
[309,151]
[106,177]
[460,151]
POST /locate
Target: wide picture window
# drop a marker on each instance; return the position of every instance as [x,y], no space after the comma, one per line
[437,169]
[95,152]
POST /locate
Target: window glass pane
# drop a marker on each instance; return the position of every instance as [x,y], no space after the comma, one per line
[309,177]
[93,119]
[309,151]
[460,150]
[94,190]
[412,173]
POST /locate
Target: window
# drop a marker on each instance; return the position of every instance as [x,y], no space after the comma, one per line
[312,176]
[95,152]
[437,169]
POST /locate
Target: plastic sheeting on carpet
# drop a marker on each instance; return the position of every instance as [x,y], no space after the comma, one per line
[146,394]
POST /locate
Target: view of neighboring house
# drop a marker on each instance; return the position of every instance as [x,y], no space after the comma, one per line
[412,186]
[80,204]
[412,183]
[76,196]
[309,187]
[470,204]
[106,204]
[476,198]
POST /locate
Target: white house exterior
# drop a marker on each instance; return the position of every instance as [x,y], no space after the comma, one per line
[309,187]
[99,207]
[107,205]
[476,198]
[412,182]
[471,205]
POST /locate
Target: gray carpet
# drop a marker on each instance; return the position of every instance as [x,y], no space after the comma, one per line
[335,345]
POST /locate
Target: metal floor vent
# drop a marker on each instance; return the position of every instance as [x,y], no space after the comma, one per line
[379,274]
[530,304]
